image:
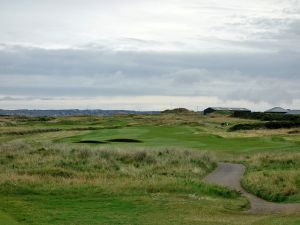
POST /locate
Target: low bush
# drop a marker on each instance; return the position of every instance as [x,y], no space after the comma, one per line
[266,125]
[266,116]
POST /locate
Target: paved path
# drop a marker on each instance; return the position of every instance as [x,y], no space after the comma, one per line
[229,174]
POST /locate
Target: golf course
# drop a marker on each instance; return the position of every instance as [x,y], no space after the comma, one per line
[166,168]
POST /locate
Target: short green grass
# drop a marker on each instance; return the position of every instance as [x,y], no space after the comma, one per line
[188,137]
[6,219]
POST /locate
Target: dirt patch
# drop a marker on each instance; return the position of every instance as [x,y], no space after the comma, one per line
[230,175]
[121,140]
[92,142]
[125,140]
[294,132]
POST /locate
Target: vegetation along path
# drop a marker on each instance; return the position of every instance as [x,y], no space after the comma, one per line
[229,174]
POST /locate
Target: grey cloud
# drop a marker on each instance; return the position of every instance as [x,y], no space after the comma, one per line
[294,27]
[10,98]
[90,61]
[265,33]
[190,77]
[101,72]
[272,95]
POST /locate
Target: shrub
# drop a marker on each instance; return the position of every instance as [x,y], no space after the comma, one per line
[266,116]
[266,125]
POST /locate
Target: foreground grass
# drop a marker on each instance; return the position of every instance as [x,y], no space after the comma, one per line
[87,185]
[56,184]
[93,208]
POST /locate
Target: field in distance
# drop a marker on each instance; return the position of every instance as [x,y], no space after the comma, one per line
[141,169]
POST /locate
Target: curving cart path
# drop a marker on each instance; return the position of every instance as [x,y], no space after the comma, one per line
[229,174]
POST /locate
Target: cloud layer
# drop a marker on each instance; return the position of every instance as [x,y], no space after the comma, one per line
[149,54]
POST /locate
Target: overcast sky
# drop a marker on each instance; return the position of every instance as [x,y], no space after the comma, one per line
[149,55]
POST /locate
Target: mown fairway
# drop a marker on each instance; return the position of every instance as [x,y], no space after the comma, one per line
[143,169]
[186,137]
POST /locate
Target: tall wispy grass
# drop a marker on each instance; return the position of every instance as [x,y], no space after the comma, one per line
[274,176]
[26,166]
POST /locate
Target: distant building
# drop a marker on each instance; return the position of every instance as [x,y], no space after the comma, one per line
[224,109]
[278,110]
[293,112]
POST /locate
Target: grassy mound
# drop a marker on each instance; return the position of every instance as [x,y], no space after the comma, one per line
[177,111]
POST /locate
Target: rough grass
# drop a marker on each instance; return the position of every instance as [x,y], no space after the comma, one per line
[147,170]
[274,177]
